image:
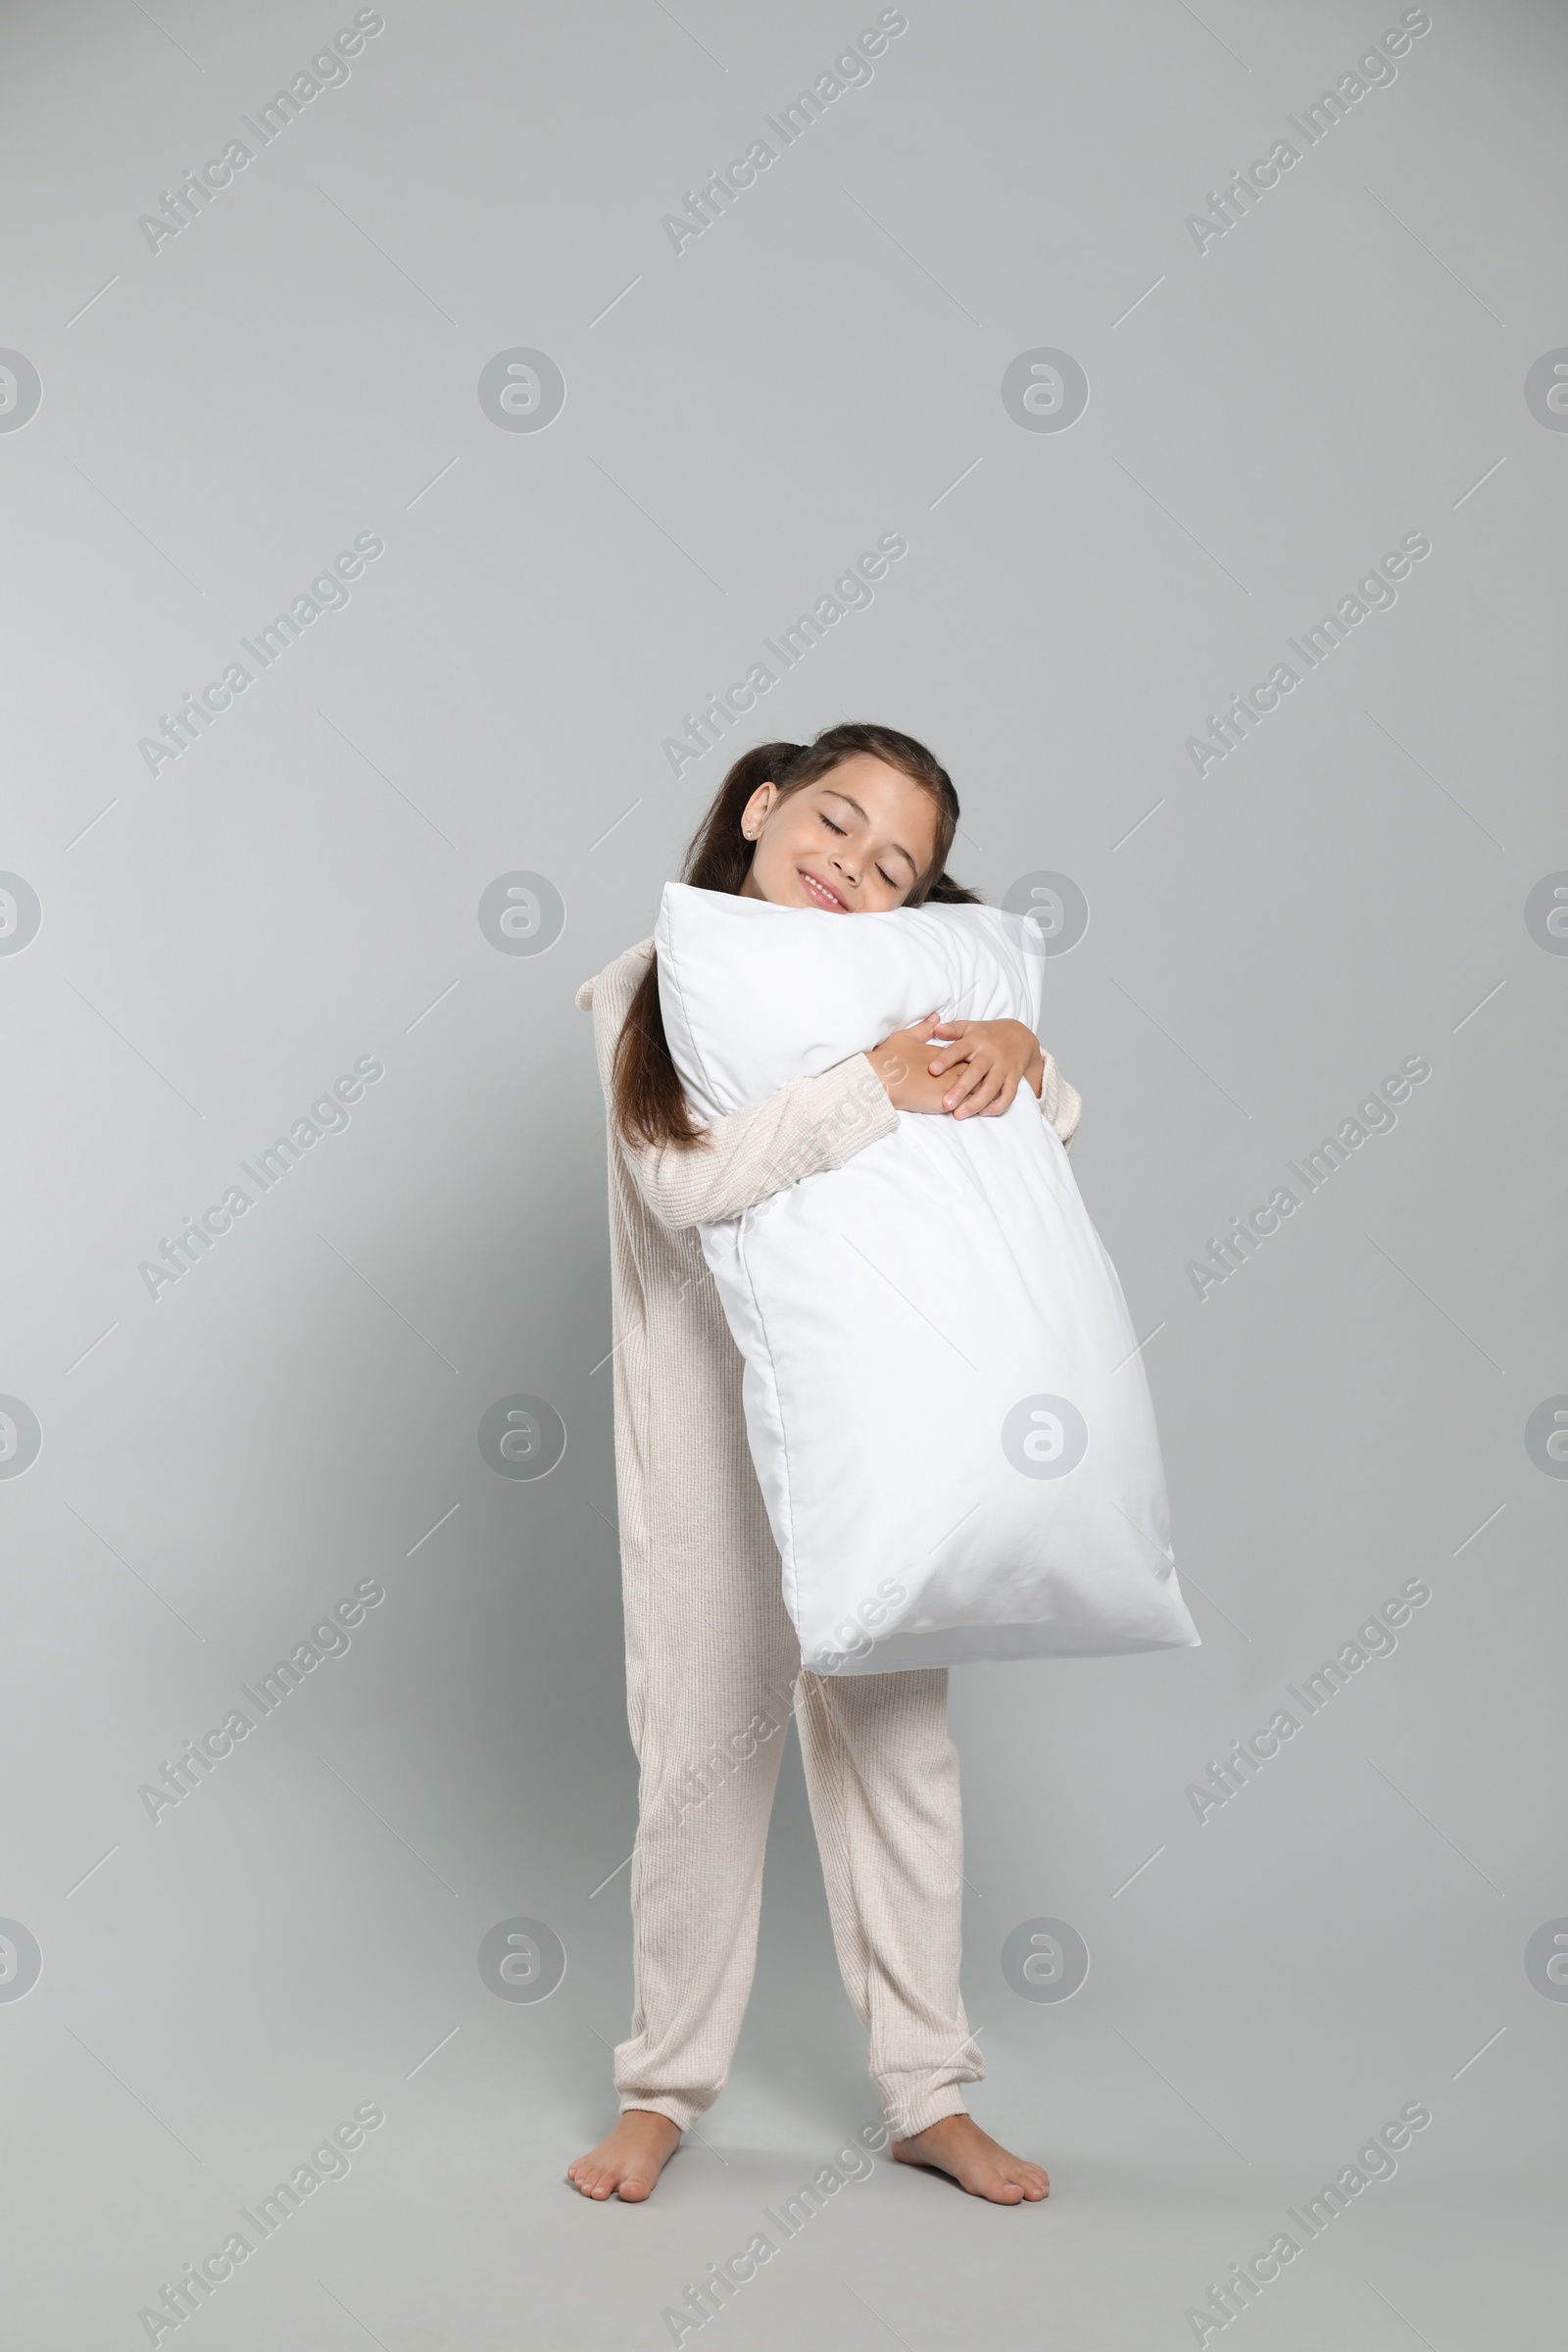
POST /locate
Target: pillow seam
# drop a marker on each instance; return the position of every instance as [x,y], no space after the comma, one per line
[690,1034]
[790,1577]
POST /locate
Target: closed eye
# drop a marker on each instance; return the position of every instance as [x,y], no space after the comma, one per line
[839,829]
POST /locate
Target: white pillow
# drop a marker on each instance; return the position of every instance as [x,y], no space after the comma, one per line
[946,1405]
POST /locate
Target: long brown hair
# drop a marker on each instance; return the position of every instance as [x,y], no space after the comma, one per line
[650,1100]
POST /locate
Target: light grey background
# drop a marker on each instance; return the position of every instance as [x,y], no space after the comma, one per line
[301,887]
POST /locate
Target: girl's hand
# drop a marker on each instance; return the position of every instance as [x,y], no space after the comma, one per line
[987,1062]
[900,1062]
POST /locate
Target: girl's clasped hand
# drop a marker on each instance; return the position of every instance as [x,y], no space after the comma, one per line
[976,1076]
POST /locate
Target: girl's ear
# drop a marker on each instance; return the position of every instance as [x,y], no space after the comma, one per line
[751,825]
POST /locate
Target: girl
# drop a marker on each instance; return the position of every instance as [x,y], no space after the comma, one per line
[860,821]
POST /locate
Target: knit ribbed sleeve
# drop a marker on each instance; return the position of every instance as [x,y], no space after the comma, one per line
[811,1124]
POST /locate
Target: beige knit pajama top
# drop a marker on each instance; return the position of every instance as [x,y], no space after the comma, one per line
[713,1666]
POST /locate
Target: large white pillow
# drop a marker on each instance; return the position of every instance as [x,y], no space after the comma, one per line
[945,1402]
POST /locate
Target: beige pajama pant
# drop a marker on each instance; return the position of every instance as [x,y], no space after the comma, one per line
[711,1658]
[712,1663]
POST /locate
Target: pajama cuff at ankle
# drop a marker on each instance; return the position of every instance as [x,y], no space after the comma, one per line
[907,2117]
[682,2113]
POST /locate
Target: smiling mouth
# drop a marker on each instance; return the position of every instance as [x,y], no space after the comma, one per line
[819,892]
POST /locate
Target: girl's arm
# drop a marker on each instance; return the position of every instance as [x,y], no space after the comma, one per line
[1061,1103]
[810,1124]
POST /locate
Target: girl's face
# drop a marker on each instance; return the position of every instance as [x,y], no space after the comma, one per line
[855,842]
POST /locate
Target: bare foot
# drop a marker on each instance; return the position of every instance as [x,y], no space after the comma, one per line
[956,2144]
[630,2159]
